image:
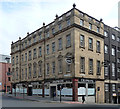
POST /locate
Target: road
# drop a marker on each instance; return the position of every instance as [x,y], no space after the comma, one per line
[14,102]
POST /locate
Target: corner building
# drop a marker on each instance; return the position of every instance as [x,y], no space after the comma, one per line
[68,52]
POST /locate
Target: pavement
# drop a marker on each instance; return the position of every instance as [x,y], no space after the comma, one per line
[48,99]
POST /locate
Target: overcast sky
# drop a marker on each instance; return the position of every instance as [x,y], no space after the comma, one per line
[17,17]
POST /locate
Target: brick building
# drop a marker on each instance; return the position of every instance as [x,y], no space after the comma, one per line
[68,52]
[5,73]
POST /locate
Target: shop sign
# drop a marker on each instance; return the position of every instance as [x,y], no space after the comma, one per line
[86,80]
[67,75]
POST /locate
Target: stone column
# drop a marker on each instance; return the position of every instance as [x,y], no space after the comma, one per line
[75,89]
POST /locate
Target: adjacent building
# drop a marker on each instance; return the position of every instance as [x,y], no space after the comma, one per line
[112,65]
[5,73]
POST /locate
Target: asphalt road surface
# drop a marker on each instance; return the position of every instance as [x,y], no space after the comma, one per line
[21,104]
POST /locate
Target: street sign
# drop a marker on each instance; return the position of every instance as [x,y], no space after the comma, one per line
[68,60]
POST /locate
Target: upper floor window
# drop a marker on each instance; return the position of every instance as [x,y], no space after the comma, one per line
[118,39]
[90,66]
[53,47]
[106,49]
[60,26]
[40,69]
[60,65]
[13,61]
[25,56]
[113,69]
[25,43]
[22,74]
[30,42]
[118,60]
[82,41]
[16,47]
[29,71]
[113,51]
[113,87]
[68,39]
[47,49]
[82,65]
[53,67]
[47,69]
[81,22]
[90,26]
[68,22]
[25,73]
[40,51]
[98,29]
[16,59]
[113,36]
[30,55]
[106,33]
[68,67]
[98,68]
[34,69]
[106,70]
[98,46]
[90,43]
[60,44]
[47,34]
[34,53]
[34,39]
[53,30]
[106,87]
[40,36]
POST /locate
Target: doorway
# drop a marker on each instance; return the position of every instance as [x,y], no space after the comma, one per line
[115,99]
[52,90]
[29,91]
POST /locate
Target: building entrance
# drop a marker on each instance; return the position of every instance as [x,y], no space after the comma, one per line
[29,91]
[52,90]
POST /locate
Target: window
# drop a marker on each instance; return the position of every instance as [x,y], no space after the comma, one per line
[47,69]
[106,49]
[30,55]
[105,33]
[47,49]
[47,34]
[82,65]
[81,22]
[30,42]
[16,47]
[16,73]
[98,68]
[40,69]
[25,56]
[118,70]
[34,39]
[25,43]
[106,70]
[53,67]
[68,39]
[90,66]
[82,41]
[118,39]
[13,74]
[98,29]
[53,30]
[53,47]
[8,69]
[34,53]
[113,36]
[106,87]
[22,57]
[98,46]
[90,43]
[113,87]
[29,71]
[13,61]
[113,51]
[22,74]
[68,66]
[16,59]
[25,73]
[113,69]
[60,65]
[34,69]
[68,22]
[118,60]
[60,26]
[60,44]
[40,51]
[40,36]
[90,26]
[9,79]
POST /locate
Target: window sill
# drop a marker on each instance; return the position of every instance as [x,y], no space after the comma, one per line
[82,47]
[90,49]
[68,46]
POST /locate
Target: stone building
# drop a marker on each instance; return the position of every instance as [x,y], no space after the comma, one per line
[68,52]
